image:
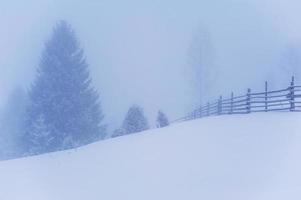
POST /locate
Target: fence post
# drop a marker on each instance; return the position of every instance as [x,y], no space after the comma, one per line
[249,101]
[208,112]
[292,94]
[219,106]
[231,108]
[200,111]
[266,96]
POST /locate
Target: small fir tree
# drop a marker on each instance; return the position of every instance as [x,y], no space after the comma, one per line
[135,121]
[162,120]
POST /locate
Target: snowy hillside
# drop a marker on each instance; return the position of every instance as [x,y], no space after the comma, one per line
[239,157]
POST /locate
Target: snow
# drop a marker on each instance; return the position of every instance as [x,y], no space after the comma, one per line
[255,156]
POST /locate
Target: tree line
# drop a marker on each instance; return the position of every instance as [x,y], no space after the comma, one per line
[61,110]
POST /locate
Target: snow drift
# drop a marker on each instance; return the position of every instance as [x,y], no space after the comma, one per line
[256,156]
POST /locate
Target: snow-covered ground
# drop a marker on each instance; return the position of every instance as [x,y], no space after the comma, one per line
[239,157]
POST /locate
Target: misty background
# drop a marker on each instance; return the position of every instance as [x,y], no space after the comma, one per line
[148,52]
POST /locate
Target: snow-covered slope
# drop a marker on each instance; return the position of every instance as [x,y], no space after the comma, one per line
[256,156]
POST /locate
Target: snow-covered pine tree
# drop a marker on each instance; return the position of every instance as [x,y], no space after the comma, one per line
[135,121]
[162,120]
[118,132]
[63,95]
[40,134]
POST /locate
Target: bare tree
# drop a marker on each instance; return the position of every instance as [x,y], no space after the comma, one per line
[201,61]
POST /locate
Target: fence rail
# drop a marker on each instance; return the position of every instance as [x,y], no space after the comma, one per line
[288,99]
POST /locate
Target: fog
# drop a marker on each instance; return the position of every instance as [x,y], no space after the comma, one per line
[139,51]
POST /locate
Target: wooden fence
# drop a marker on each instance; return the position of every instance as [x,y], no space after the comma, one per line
[288,99]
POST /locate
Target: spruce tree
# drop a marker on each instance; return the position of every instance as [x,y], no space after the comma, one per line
[118,132]
[135,121]
[64,109]
[162,120]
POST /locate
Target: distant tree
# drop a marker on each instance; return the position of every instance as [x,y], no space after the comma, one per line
[135,121]
[291,60]
[64,109]
[201,55]
[162,120]
[12,124]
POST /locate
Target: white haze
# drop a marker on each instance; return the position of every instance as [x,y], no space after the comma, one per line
[138,50]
